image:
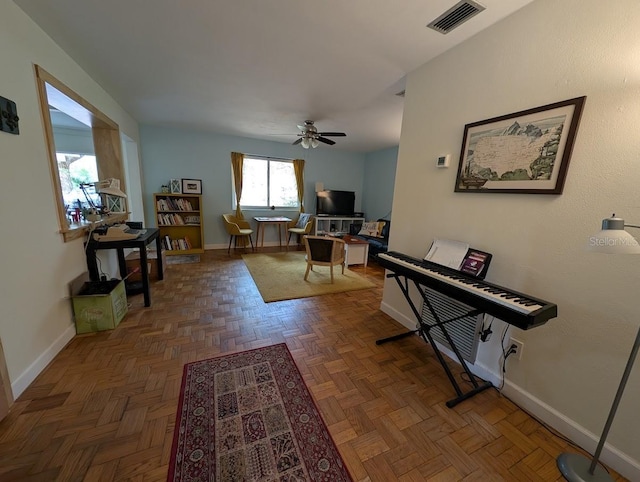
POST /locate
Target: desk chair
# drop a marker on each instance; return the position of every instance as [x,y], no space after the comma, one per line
[237,228]
[324,251]
[301,226]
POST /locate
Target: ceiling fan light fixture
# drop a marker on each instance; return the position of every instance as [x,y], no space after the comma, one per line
[310,138]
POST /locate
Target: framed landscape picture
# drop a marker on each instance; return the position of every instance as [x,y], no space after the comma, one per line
[191,186]
[526,152]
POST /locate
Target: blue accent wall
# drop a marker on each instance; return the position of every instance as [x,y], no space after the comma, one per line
[169,153]
[379,179]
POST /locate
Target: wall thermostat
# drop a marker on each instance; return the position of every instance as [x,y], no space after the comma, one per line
[443,161]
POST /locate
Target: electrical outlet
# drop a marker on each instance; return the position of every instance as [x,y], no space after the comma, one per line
[519,346]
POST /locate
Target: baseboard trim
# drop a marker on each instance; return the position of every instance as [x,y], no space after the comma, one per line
[614,458]
[582,437]
[405,321]
[31,373]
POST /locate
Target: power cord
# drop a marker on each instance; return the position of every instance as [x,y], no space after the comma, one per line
[553,431]
[503,357]
[506,353]
[103,275]
[485,333]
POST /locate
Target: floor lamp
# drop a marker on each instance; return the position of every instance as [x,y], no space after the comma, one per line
[612,239]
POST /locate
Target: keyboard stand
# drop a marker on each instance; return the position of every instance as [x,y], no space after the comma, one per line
[424,331]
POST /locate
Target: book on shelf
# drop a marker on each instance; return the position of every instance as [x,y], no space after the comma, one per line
[171,219]
[180,244]
[170,204]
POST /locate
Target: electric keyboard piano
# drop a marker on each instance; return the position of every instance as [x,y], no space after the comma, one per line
[479,296]
[517,309]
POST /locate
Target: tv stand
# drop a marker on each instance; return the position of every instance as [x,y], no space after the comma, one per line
[334,225]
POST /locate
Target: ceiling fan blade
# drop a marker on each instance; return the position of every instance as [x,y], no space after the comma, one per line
[297,141]
[325,140]
[333,134]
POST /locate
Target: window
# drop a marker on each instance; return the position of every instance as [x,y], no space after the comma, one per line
[76,169]
[268,183]
[83,146]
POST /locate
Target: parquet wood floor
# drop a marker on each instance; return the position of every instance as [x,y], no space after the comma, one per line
[105,407]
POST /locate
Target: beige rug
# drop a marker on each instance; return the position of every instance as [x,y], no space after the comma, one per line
[280,276]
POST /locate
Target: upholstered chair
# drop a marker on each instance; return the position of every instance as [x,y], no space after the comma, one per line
[300,226]
[324,251]
[237,228]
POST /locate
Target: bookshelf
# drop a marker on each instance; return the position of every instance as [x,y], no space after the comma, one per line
[179,218]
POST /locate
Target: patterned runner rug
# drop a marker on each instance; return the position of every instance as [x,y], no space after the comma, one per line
[249,416]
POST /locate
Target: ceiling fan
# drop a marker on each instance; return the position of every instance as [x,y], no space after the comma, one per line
[309,136]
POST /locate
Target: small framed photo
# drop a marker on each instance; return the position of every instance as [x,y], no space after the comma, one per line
[191,186]
[175,186]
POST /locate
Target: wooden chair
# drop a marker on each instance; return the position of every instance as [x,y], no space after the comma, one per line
[324,251]
[237,228]
[300,226]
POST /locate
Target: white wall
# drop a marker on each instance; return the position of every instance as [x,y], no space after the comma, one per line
[35,313]
[549,51]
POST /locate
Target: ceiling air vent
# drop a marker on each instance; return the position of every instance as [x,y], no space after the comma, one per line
[456,16]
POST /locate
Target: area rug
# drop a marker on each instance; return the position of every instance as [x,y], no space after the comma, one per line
[250,417]
[280,276]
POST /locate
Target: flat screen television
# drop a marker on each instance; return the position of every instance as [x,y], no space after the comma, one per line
[335,203]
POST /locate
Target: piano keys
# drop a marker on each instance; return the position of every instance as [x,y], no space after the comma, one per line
[518,309]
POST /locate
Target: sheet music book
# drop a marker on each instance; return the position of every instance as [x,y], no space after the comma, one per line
[447,252]
[475,262]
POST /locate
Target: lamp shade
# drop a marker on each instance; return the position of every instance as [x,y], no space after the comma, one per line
[110,186]
[305,142]
[613,239]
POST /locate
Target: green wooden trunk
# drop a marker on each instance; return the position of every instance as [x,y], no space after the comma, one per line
[99,305]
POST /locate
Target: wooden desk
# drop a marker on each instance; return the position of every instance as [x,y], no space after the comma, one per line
[140,242]
[275,220]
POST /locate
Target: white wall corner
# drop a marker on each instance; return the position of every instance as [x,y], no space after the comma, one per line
[401,318]
[31,373]
[582,437]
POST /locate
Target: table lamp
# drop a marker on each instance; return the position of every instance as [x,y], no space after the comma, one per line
[612,239]
[110,186]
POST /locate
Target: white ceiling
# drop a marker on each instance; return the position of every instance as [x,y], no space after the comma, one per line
[257,68]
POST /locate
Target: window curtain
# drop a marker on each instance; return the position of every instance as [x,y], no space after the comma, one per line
[237,160]
[298,168]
